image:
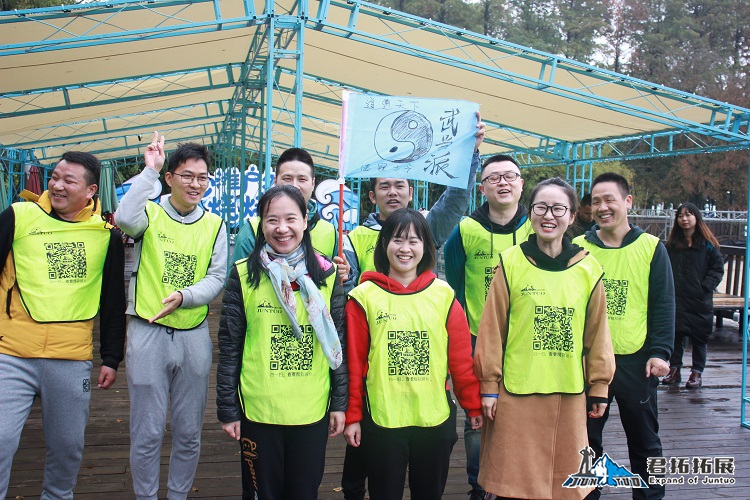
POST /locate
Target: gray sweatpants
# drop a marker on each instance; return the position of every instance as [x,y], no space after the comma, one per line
[166,369]
[64,388]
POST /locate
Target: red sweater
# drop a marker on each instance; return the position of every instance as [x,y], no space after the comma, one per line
[460,364]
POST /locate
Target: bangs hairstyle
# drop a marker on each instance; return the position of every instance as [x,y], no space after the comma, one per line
[188,151]
[296,154]
[398,225]
[678,241]
[564,186]
[254,268]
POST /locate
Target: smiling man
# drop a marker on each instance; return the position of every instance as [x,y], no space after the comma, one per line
[640,308]
[471,254]
[180,264]
[61,266]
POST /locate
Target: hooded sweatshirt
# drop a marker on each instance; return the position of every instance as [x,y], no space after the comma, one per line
[465,383]
[455,256]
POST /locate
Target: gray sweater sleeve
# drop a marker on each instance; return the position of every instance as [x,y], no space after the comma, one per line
[452,204]
[207,289]
[130,216]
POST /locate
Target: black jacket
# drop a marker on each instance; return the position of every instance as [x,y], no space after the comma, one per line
[697,271]
[232,328]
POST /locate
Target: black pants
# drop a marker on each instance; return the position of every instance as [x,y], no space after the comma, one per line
[700,352]
[636,400]
[283,462]
[355,472]
[425,450]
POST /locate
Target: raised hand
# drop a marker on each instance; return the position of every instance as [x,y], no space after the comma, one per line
[154,155]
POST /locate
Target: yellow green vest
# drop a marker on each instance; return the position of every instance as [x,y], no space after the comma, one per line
[544,348]
[322,235]
[58,259]
[284,381]
[363,241]
[173,256]
[482,249]
[626,284]
[408,359]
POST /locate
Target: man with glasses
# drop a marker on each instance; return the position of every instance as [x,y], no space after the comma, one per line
[180,265]
[473,251]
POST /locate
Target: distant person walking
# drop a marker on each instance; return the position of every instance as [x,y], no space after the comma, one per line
[698,268]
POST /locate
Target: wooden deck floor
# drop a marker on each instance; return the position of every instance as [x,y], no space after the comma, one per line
[702,422]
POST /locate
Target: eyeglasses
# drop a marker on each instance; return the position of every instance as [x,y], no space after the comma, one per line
[189,178]
[541,209]
[495,178]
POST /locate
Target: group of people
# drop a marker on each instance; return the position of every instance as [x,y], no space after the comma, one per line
[534,333]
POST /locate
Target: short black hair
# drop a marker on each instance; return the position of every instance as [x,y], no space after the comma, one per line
[497,159]
[398,225]
[622,182]
[87,161]
[296,154]
[374,182]
[188,151]
[586,200]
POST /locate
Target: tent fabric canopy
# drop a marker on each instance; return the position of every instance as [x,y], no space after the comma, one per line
[101,77]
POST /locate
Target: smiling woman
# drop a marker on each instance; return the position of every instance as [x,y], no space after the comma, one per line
[281,342]
[545,309]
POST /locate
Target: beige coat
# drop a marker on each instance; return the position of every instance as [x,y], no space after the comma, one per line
[534,442]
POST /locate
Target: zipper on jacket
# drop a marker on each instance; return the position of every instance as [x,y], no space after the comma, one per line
[7,299]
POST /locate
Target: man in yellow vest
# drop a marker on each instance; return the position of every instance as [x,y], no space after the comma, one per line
[295,167]
[180,265]
[388,195]
[61,266]
[471,254]
[640,309]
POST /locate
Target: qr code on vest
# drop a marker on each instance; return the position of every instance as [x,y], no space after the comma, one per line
[408,352]
[488,275]
[66,260]
[617,296]
[179,269]
[288,353]
[552,329]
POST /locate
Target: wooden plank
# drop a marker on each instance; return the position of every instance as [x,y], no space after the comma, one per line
[703,422]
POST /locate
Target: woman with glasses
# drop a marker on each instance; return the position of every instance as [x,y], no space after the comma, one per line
[698,268]
[543,346]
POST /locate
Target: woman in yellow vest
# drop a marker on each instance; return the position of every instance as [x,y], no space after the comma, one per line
[282,378]
[406,332]
[543,344]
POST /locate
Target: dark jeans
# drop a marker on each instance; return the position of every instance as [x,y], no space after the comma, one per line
[636,400]
[700,352]
[472,438]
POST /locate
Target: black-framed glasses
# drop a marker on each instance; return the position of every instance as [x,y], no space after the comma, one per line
[495,178]
[541,209]
[189,178]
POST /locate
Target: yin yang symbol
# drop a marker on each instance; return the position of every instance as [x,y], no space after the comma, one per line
[403,136]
